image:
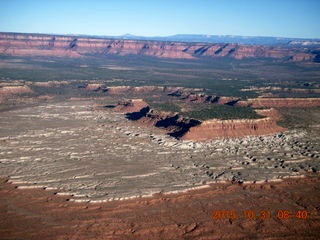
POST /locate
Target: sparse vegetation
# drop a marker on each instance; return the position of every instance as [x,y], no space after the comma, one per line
[166,106]
[207,111]
[222,77]
[223,112]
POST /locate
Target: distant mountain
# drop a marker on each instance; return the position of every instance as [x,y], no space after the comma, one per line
[227,39]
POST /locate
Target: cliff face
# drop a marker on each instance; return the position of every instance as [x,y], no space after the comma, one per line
[72,46]
[186,95]
[13,91]
[232,128]
[134,105]
[192,129]
[280,102]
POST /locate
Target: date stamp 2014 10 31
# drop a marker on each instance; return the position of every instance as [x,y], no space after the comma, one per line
[264,214]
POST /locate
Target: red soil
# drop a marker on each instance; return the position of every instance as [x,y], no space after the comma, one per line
[39,214]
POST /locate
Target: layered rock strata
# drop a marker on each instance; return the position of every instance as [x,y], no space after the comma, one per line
[74,46]
[191,96]
[232,128]
[132,105]
[280,102]
[192,129]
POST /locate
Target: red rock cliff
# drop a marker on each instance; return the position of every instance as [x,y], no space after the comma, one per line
[232,128]
[280,102]
[73,46]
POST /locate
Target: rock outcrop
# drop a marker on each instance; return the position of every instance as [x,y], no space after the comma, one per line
[271,113]
[12,91]
[130,106]
[280,102]
[190,96]
[49,84]
[175,125]
[94,86]
[232,128]
[18,44]
[142,89]
[138,110]
[191,129]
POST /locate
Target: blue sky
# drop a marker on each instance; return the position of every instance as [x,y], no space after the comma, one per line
[280,18]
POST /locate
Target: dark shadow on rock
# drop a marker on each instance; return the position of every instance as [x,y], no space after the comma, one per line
[178,126]
[73,44]
[215,99]
[110,106]
[232,103]
[175,94]
[137,115]
[183,127]
[170,121]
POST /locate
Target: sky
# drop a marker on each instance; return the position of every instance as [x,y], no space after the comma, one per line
[277,18]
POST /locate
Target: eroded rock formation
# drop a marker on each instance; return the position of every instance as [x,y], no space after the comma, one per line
[232,128]
[280,102]
[186,95]
[271,113]
[12,90]
[130,106]
[192,129]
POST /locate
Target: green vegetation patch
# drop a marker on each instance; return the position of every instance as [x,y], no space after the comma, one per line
[166,106]
[219,77]
[223,112]
[206,111]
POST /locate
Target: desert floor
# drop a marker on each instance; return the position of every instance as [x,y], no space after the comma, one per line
[293,204]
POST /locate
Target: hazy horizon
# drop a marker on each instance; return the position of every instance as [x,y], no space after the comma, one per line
[158,36]
[265,18]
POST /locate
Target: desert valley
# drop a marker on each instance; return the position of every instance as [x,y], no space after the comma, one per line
[110,138]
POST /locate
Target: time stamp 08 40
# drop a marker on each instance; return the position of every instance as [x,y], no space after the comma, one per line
[280,214]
